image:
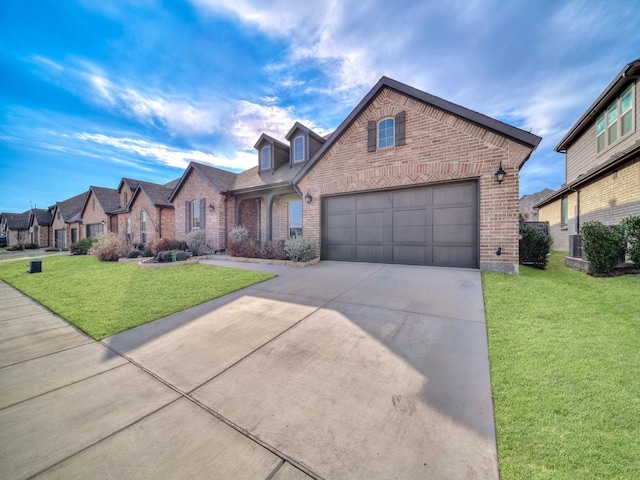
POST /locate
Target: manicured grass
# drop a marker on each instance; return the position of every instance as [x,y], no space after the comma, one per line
[104,298]
[565,366]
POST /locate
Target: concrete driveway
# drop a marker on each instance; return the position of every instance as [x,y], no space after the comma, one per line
[335,371]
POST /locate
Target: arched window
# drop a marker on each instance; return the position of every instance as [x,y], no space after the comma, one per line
[386,131]
[143,226]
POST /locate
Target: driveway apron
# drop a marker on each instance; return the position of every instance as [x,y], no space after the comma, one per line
[337,371]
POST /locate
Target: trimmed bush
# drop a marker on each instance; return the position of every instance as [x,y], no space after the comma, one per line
[134,254]
[300,249]
[274,250]
[197,242]
[240,245]
[31,246]
[603,246]
[15,248]
[631,226]
[109,247]
[162,245]
[534,246]
[167,256]
[83,246]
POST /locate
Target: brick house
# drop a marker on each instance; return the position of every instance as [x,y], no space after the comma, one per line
[40,227]
[99,213]
[412,178]
[66,223]
[602,157]
[147,213]
[15,228]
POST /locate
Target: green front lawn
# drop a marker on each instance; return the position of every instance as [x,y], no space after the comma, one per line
[104,298]
[565,367]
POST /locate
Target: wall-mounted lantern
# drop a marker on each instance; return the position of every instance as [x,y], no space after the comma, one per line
[211,207]
[500,173]
[308,197]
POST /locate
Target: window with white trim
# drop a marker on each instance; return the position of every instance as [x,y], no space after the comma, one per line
[265,158]
[143,226]
[616,122]
[295,218]
[298,149]
[386,133]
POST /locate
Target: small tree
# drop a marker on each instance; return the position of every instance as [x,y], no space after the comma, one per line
[631,226]
[603,246]
[534,246]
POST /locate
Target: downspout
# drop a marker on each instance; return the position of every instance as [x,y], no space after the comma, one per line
[577,208]
[160,222]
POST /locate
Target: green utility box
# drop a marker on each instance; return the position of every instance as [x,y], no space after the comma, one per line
[35,266]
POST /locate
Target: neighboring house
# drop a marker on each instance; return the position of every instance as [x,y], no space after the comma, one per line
[200,203]
[40,227]
[67,220]
[148,213]
[99,213]
[602,164]
[527,212]
[16,228]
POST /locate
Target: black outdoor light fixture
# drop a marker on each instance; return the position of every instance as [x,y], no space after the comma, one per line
[211,207]
[308,197]
[103,222]
[500,173]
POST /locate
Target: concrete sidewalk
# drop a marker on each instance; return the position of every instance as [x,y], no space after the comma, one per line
[336,371]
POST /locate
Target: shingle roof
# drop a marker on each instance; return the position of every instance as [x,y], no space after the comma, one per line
[252,179]
[17,221]
[158,194]
[107,197]
[71,208]
[42,215]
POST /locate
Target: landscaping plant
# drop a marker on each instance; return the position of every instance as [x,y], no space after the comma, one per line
[240,245]
[534,246]
[631,226]
[603,245]
[163,244]
[197,242]
[109,247]
[83,246]
[300,249]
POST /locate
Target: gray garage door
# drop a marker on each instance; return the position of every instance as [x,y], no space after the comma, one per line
[434,225]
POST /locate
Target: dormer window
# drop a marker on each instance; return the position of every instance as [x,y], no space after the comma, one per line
[298,149]
[265,158]
[616,121]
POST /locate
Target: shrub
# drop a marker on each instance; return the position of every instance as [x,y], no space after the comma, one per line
[240,245]
[83,246]
[162,245]
[197,242]
[300,249]
[134,254]
[274,250]
[534,246]
[31,246]
[603,246]
[15,248]
[109,247]
[631,226]
[167,256]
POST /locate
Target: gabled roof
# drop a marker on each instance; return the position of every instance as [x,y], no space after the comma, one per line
[43,216]
[516,134]
[71,208]
[251,180]
[220,180]
[108,198]
[630,72]
[129,182]
[311,133]
[157,194]
[17,221]
[270,139]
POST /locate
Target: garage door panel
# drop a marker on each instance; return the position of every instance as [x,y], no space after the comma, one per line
[340,204]
[447,256]
[410,198]
[368,201]
[338,252]
[369,235]
[407,218]
[410,235]
[371,219]
[452,194]
[455,234]
[369,253]
[454,215]
[410,254]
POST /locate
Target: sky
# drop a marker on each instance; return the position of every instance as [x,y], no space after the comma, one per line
[93,91]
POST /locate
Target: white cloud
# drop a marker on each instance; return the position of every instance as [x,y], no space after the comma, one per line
[170,156]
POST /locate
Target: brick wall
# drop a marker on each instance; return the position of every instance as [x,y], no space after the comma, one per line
[439,147]
[93,214]
[195,187]
[250,216]
[608,199]
[280,214]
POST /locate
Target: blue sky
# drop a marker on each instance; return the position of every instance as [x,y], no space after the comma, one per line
[93,91]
